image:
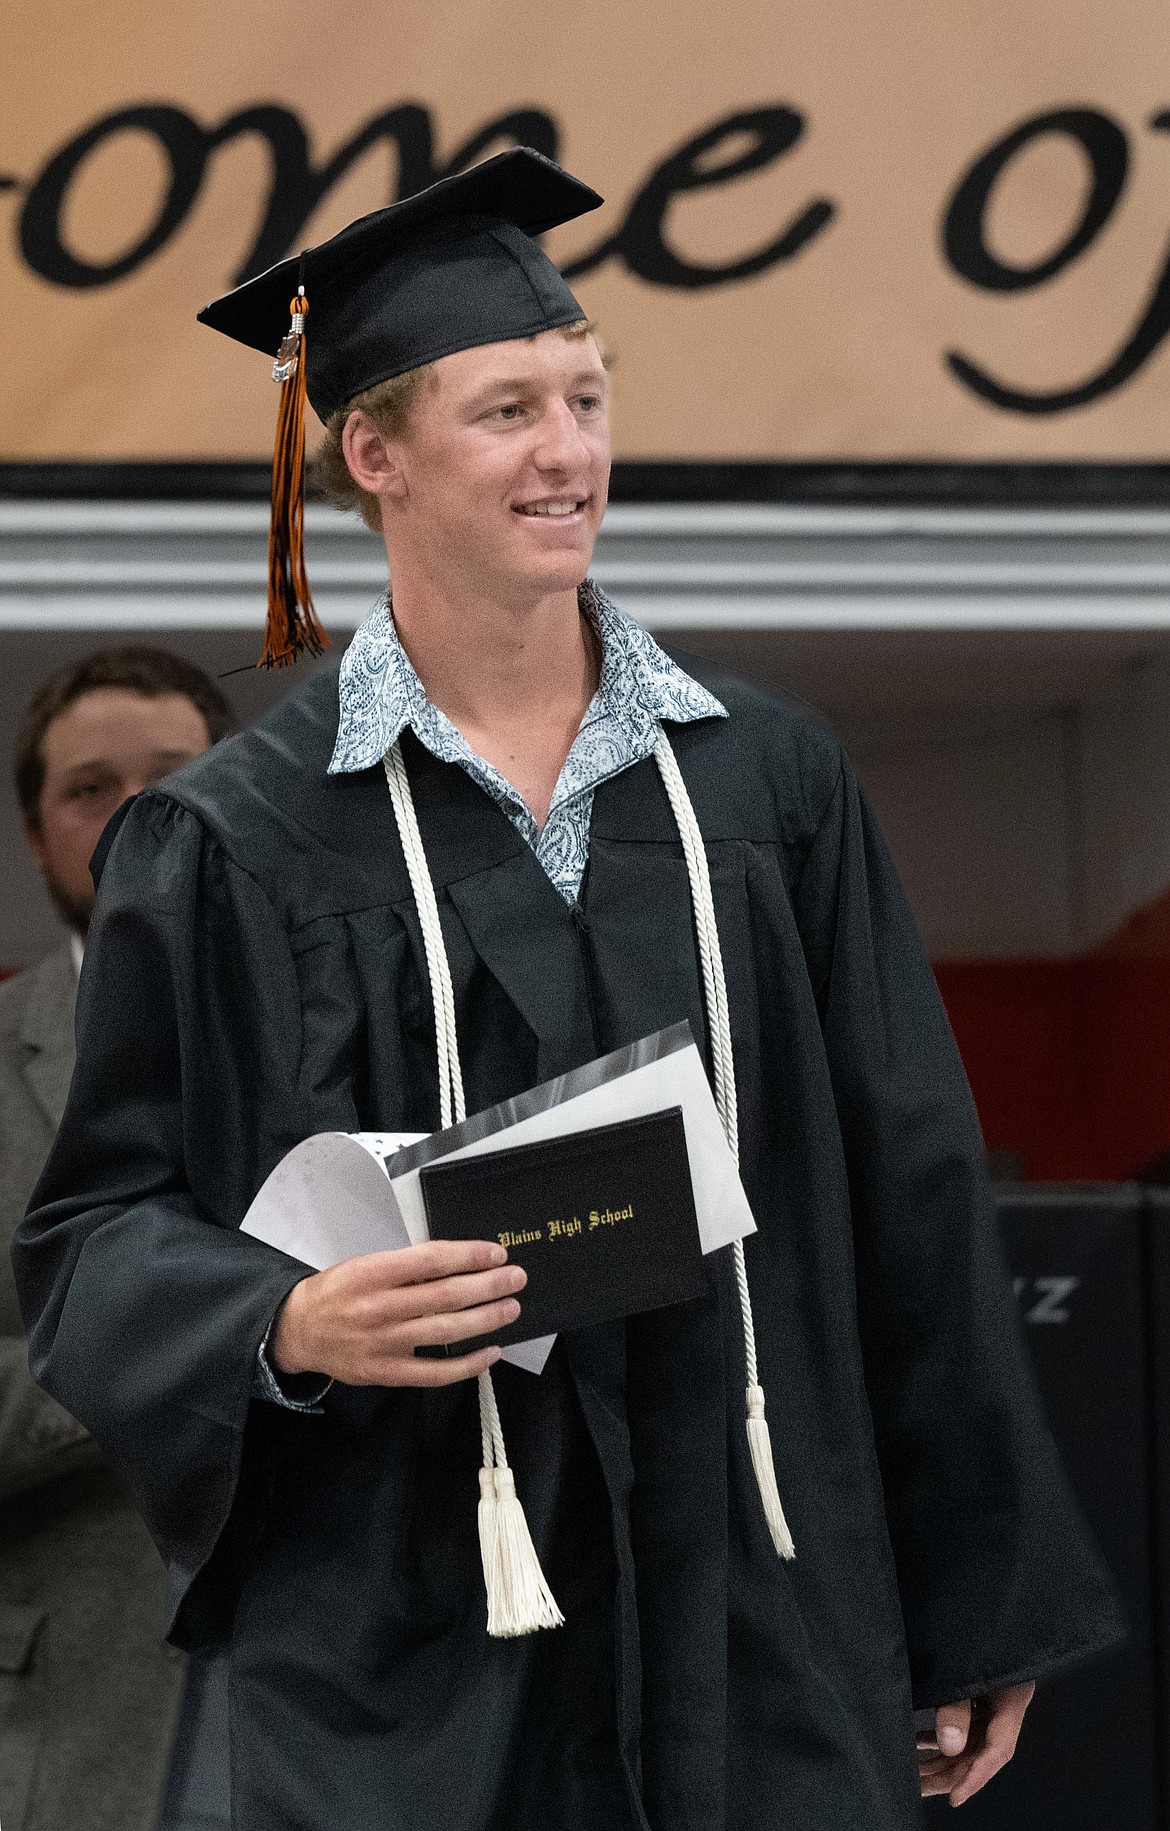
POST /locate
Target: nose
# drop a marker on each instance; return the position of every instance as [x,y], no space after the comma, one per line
[560,446]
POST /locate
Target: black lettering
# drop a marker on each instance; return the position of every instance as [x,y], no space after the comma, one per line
[524,127]
[41,244]
[1143,341]
[298,187]
[295,189]
[1105,145]
[965,225]
[641,240]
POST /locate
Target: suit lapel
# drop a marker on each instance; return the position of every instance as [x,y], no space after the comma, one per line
[46,1034]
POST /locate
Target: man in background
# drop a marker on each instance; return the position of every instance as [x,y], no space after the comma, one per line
[90,1695]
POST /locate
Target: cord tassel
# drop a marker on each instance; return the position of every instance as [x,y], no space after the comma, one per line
[292,628]
[519,1598]
[760,1444]
[489,1540]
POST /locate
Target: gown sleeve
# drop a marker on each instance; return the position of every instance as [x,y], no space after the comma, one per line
[998,1578]
[145,1305]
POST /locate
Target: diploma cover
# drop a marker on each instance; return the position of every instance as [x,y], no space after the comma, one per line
[603,1221]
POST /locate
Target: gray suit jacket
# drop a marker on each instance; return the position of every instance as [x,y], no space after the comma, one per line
[89,1691]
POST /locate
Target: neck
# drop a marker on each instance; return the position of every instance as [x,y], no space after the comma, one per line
[493,665]
[515,677]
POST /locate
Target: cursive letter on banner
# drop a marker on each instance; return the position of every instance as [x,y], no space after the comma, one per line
[641,242]
[1105,145]
[185,145]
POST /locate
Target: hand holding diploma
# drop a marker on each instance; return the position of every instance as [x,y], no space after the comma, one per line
[348,1203]
[360,1321]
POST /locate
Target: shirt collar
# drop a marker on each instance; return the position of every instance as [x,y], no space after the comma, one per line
[380,693]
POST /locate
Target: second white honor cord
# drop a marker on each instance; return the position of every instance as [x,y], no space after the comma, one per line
[519,1598]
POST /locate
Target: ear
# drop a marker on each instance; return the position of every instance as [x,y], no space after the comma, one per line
[371,457]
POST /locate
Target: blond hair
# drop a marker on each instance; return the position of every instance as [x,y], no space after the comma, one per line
[388,404]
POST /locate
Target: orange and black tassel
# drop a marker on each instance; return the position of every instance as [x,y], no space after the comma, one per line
[293,628]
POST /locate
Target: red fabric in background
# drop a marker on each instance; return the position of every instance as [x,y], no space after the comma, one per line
[1069,1059]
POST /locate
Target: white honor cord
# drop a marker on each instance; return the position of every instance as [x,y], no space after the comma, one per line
[723,1064]
[519,1599]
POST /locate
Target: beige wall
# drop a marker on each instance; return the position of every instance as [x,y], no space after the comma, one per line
[838,352]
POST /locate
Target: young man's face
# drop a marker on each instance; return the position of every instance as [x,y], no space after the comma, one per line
[505,466]
[104,747]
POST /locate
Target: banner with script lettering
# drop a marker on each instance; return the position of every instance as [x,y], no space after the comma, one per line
[841,232]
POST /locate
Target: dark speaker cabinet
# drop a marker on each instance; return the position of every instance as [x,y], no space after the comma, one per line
[1090,1264]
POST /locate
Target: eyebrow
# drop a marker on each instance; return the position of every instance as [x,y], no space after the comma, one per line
[112,764]
[524,385]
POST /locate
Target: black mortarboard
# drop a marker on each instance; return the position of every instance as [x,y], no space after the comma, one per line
[450,268]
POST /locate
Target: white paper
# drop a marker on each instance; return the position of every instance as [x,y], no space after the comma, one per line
[330,1199]
[721,1206]
[336,1196]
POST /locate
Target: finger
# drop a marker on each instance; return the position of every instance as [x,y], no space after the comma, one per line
[450,1294]
[458,1325]
[429,1260]
[983,1766]
[1000,1734]
[411,1371]
[952,1727]
[936,1777]
[1012,1704]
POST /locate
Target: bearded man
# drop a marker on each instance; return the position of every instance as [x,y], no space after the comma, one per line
[81,1585]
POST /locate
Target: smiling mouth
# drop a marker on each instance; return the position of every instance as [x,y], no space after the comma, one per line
[555,511]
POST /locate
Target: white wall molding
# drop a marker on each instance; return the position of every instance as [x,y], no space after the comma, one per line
[182,566]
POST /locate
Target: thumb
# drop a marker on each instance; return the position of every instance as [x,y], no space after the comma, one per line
[952,1727]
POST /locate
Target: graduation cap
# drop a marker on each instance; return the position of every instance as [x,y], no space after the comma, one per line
[447,269]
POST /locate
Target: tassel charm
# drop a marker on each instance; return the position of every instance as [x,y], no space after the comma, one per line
[288,354]
[760,1445]
[519,1598]
[292,628]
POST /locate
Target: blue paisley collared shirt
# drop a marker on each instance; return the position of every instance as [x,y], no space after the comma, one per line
[380,694]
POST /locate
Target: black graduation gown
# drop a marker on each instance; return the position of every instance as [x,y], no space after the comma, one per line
[256,974]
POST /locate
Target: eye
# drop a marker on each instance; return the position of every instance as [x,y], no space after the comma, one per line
[508,412]
[590,403]
[89,791]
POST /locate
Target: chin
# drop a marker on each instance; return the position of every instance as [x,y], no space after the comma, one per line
[558,572]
